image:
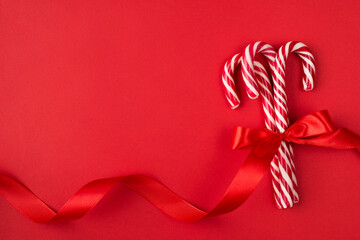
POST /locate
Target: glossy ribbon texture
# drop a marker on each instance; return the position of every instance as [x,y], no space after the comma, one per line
[315,129]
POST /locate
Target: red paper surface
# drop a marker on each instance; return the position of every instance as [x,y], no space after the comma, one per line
[92,89]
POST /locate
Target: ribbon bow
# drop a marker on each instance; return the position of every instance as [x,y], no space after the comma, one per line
[315,129]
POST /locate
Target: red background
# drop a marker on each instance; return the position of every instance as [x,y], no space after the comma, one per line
[92,89]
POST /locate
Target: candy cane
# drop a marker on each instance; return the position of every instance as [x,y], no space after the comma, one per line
[287,185]
[267,102]
[286,164]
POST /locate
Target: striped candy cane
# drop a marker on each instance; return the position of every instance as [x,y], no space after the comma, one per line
[286,164]
[267,101]
[287,186]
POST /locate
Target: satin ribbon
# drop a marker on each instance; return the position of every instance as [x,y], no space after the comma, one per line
[315,129]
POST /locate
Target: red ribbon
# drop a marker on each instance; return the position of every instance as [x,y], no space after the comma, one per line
[315,129]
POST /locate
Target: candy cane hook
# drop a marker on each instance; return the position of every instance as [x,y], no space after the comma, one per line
[228,81]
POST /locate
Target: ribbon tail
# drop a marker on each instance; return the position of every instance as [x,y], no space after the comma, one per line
[340,139]
[24,200]
[249,175]
[243,184]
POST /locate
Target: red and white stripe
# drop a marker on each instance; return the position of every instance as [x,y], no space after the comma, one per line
[228,81]
[268,107]
[258,76]
[287,185]
[286,164]
[247,68]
